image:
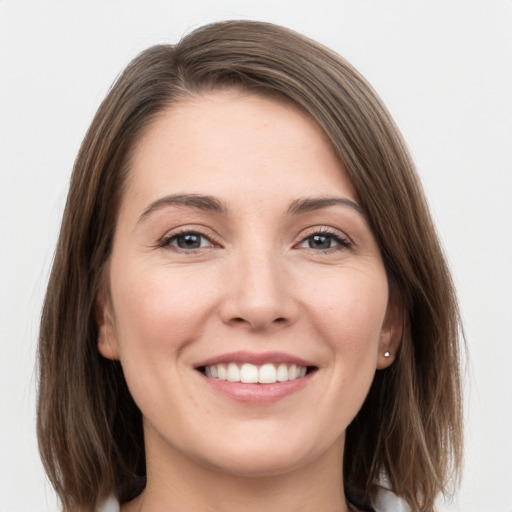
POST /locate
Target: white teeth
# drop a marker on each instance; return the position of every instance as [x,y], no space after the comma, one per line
[282,373]
[233,374]
[249,373]
[252,374]
[222,373]
[267,374]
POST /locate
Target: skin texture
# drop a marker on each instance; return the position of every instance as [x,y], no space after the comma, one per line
[255,284]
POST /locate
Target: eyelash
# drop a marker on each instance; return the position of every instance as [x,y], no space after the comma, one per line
[166,242]
[341,241]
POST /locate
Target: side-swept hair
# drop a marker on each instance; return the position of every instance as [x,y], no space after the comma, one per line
[409,429]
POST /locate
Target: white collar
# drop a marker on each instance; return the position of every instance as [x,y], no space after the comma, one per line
[385,501]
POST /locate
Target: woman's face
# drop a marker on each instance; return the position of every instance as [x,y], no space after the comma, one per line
[240,252]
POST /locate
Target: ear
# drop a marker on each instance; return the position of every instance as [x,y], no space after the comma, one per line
[391,332]
[107,339]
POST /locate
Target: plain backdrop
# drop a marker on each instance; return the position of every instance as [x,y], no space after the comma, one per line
[443,68]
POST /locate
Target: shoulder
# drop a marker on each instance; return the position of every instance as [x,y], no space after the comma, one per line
[110,505]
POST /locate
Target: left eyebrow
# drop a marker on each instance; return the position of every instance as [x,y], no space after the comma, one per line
[309,204]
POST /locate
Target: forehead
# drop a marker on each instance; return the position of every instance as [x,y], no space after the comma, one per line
[233,144]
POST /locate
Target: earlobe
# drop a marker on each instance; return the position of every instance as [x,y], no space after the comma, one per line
[107,341]
[391,333]
[107,347]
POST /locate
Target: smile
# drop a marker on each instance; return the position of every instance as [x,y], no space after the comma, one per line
[248,373]
[256,378]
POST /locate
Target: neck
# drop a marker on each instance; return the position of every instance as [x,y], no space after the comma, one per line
[177,483]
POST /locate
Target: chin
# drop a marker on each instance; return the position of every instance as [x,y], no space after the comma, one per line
[266,453]
[258,463]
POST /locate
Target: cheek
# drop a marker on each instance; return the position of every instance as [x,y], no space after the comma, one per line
[157,309]
[158,313]
[350,309]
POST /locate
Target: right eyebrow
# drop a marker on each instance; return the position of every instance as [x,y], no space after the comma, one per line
[197,201]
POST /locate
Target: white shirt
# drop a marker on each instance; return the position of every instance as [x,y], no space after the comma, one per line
[385,501]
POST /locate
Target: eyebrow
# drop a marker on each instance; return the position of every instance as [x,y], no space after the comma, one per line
[200,202]
[308,204]
[212,204]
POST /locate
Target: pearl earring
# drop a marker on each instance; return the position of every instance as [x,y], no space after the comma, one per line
[386,354]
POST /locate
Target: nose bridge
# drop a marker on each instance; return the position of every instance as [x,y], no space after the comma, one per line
[258,290]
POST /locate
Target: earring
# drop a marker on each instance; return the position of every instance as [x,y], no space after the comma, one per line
[387,354]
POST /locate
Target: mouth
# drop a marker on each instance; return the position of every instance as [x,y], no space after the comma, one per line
[248,373]
[254,378]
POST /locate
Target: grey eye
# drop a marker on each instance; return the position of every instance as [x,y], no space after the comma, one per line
[319,242]
[188,241]
[325,241]
[191,241]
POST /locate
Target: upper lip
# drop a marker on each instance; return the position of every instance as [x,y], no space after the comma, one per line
[254,358]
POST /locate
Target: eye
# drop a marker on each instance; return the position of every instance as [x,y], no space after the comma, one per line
[187,241]
[324,240]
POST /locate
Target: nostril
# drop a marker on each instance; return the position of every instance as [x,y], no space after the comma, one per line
[240,320]
[258,320]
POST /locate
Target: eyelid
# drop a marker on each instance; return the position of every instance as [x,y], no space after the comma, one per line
[341,238]
[343,241]
[165,240]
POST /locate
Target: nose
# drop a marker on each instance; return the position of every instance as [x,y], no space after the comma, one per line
[259,293]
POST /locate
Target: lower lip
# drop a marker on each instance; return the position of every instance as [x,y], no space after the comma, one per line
[257,393]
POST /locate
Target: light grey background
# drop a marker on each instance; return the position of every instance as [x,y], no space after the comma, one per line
[444,68]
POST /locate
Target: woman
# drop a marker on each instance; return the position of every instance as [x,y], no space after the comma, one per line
[249,307]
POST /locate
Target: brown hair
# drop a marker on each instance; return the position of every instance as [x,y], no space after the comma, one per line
[409,428]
